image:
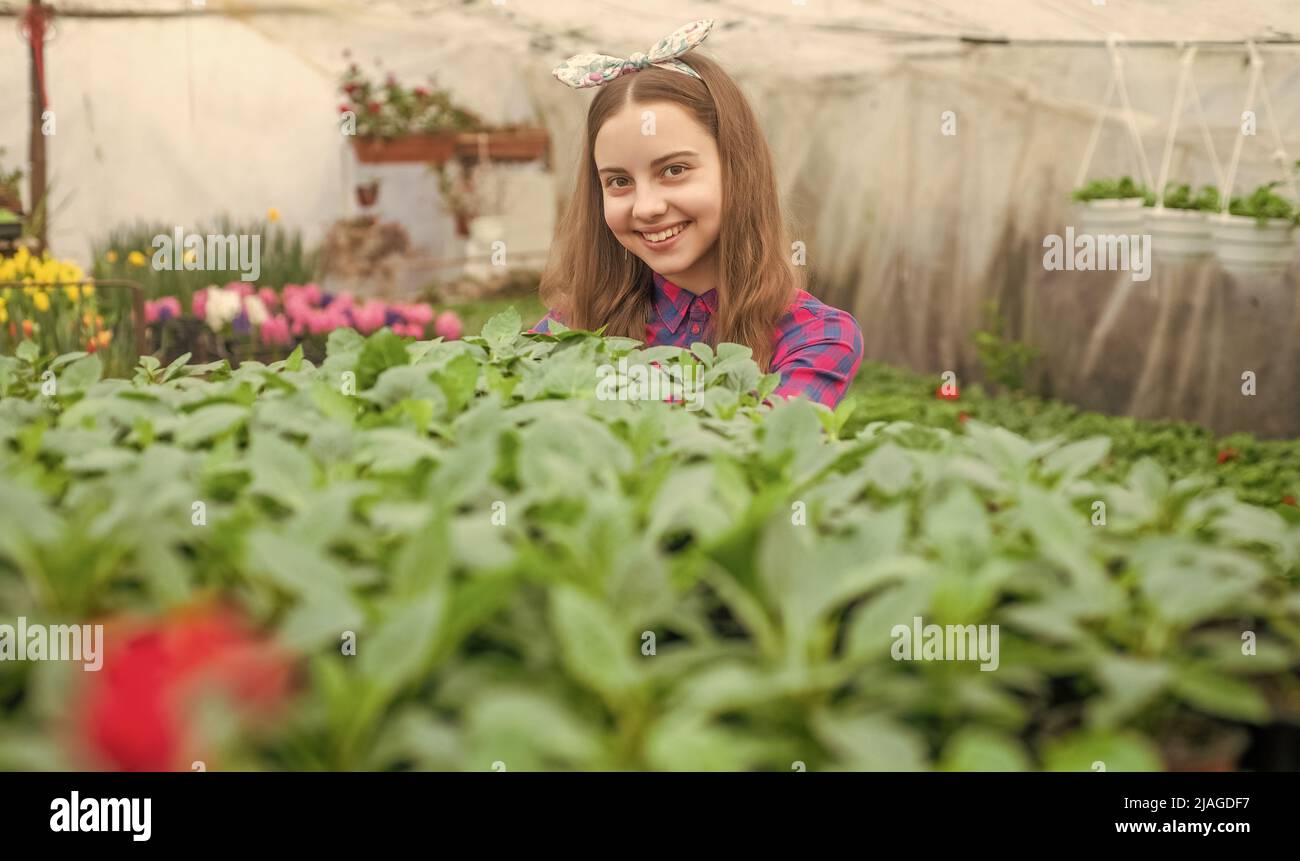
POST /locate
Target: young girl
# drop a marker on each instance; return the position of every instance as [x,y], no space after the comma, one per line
[674,233]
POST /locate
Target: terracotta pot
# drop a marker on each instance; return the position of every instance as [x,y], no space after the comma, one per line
[462,225]
[516,145]
[437,148]
[367,194]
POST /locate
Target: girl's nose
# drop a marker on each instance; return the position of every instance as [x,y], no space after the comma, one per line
[648,207]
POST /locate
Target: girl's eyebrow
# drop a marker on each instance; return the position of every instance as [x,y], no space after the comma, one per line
[663,158]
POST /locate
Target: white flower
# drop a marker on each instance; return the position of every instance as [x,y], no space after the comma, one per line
[257,313]
[222,307]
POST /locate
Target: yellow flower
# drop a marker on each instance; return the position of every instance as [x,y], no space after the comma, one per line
[41,301]
[87,290]
[273,214]
[72,292]
[104,337]
[135,258]
[4,312]
[111,256]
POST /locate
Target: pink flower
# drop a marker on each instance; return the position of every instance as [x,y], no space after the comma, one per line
[268,297]
[275,330]
[241,288]
[369,317]
[162,310]
[418,313]
[447,326]
[312,293]
[199,304]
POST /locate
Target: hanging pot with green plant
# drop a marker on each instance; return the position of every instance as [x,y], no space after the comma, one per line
[1179,227]
[1257,233]
[1110,206]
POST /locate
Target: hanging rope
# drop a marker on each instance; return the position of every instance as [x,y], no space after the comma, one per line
[1118,84]
[1252,89]
[1184,75]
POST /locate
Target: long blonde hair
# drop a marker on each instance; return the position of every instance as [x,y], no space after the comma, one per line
[590,280]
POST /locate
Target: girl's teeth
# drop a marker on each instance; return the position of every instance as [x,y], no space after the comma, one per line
[660,237]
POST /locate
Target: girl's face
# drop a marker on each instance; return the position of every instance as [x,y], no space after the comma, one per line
[662,189]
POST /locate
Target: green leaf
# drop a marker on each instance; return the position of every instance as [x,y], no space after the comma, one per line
[1099,750]
[1220,695]
[890,469]
[502,329]
[81,374]
[979,749]
[398,650]
[871,742]
[28,351]
[459,380]
[280,470]
[207,422]
[382,350]
[1076,459]
[593,648]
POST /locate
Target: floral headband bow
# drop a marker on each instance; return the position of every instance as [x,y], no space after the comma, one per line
[592,70]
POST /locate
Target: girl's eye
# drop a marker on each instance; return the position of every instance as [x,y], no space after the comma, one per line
[671,166]
[612,180]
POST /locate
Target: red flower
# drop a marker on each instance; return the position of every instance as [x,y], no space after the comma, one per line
[138,711]
[962,417]
[1227,454]
[1288,500]
[951,394]
[421,92]
[373,107]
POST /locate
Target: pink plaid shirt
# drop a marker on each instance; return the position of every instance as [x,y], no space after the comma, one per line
[818,348]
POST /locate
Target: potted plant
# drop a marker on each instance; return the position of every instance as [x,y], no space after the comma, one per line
[1180,227]
[368,193]
[1108,206]
[395,123]
[460,197]
[1256,235]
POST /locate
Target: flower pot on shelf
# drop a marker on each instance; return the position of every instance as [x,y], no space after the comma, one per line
[515,145]
[438,148]
[1179,234]
[1244,245]
[1111,216]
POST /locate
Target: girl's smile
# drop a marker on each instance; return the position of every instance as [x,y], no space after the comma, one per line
[665,238]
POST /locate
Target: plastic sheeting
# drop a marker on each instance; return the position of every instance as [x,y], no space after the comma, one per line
[909,229]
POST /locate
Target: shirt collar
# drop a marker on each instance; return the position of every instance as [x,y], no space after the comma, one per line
[673,303]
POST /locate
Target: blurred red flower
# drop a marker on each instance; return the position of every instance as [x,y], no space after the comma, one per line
[1227,454]
[1288,500]
[951,393]
[137,712]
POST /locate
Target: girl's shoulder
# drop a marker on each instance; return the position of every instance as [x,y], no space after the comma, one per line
[810,320]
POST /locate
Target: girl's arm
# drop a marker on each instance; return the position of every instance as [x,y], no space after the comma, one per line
[818,355]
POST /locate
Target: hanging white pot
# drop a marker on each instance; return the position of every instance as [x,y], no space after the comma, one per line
[1179,234]
[1244,245]
[1113,216]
